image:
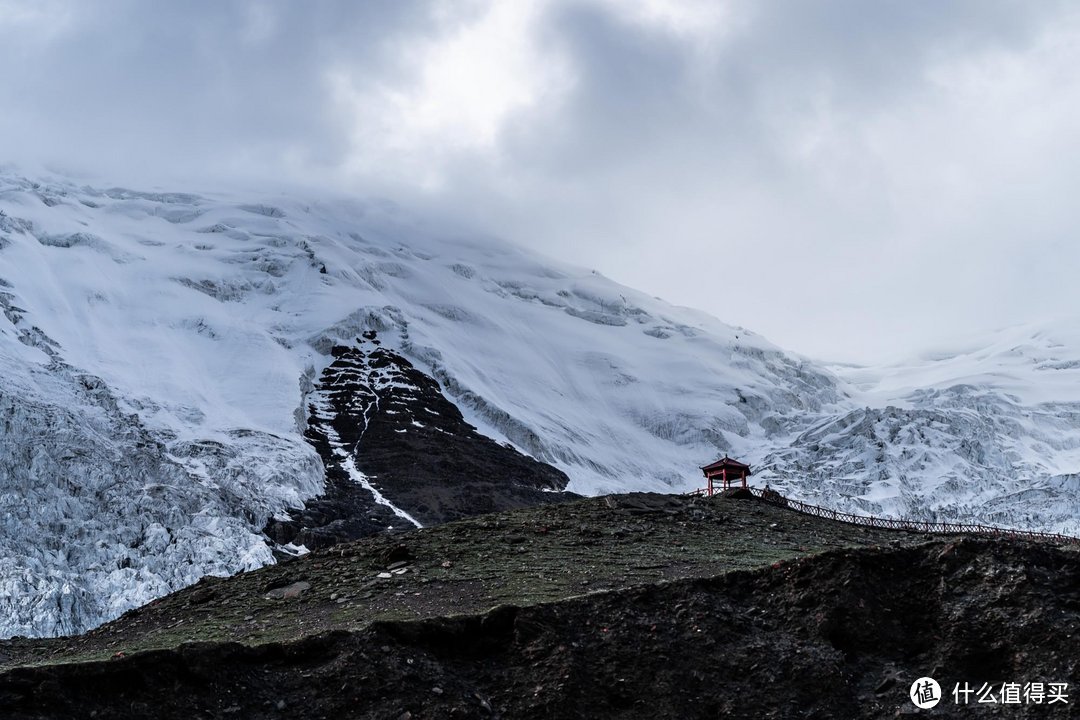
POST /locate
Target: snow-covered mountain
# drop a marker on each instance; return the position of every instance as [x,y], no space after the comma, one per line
[158,349]
[161,357]
[987,432]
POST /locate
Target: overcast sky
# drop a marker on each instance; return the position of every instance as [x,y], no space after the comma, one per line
[854,180]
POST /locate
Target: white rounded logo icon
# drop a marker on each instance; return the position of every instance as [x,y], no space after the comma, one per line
[925,693]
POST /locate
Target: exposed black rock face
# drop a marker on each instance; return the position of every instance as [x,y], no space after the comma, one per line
[399,455]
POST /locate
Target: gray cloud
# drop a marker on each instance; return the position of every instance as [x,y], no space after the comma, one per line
[879,177]
[200,88]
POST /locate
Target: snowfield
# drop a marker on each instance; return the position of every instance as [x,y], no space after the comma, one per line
[157,351]
[987,432]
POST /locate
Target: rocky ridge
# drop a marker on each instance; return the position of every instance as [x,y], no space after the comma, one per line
[399,455]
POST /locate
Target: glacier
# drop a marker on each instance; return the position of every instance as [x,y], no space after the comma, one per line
[158,349]
[988,432]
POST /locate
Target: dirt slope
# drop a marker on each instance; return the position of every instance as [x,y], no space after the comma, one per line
[800,631]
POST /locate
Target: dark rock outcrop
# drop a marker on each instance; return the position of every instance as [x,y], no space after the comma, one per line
[399,454]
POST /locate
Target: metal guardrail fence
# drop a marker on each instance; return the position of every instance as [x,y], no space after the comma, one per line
[774,498]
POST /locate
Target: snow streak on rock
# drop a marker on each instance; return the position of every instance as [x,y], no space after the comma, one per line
[385,427]
[323,414]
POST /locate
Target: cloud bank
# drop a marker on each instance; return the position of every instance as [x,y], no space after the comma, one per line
[852,180]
